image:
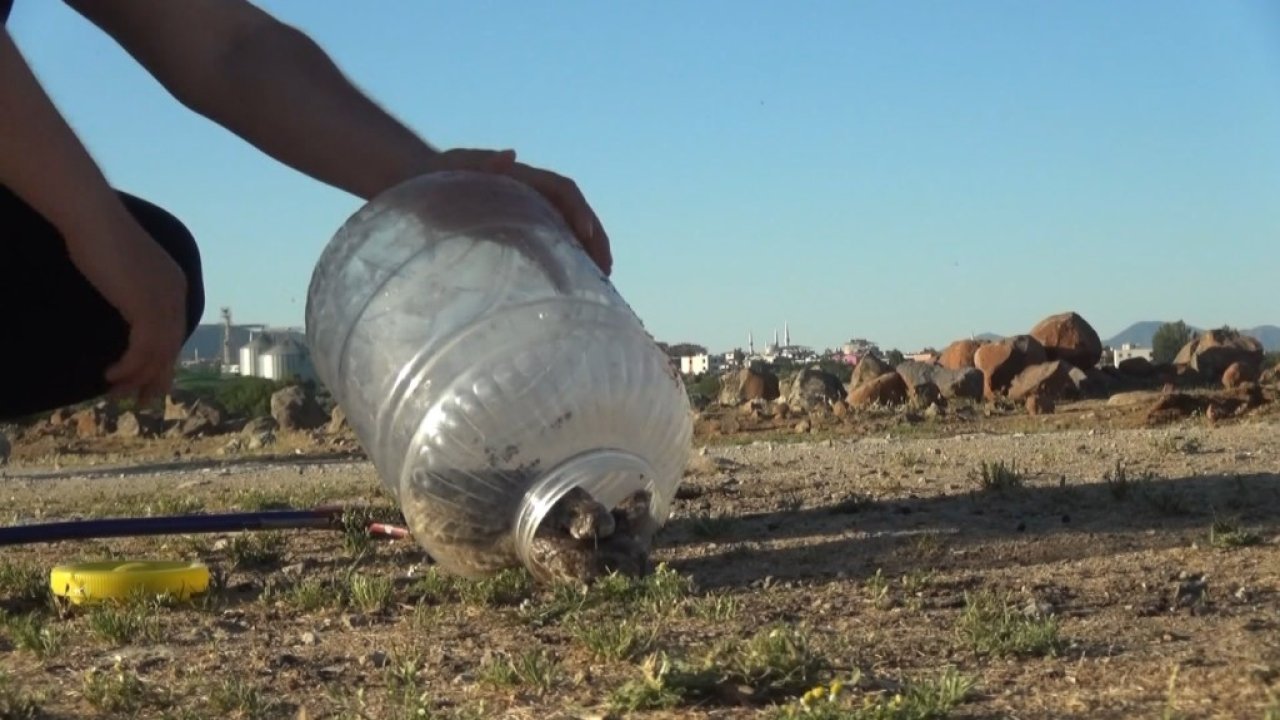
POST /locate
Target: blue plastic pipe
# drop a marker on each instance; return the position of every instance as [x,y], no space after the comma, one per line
[321,519]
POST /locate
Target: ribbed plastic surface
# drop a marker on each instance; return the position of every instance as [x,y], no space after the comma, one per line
[488,366]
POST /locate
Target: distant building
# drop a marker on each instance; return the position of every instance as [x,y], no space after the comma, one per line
[1127,350]
[924,356]
[276,356]
[695,364]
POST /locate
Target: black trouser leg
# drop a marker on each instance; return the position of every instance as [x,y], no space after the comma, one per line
[58,335]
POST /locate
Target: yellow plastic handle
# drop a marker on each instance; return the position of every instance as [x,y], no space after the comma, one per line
[119,580]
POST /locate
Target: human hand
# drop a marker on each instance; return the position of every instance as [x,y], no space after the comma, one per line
[137,277]
[562,192]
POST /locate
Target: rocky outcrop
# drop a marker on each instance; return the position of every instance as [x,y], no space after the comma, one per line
[1069,337]
[1239,373]
[1212,352]
[296,409]
[1138,367]
[1047,380]
[959,354]
[868,368]
[815,387]
[204,417]
[1000,362]
[751,383]
[965,383]
[886,390]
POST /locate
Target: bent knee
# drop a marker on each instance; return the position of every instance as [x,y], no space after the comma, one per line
[176,240]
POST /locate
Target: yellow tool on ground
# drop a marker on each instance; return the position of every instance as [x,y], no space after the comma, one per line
[120,580]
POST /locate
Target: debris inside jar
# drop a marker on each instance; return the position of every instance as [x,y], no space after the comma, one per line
[580,540]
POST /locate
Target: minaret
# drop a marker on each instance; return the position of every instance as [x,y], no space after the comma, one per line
[775,337]
[751,343]
[786,333]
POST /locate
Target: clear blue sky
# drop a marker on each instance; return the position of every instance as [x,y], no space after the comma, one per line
[907,172]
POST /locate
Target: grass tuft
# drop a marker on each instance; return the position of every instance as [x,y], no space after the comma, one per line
[991,625]
[998,477]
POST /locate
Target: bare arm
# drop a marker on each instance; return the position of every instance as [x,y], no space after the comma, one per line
[276,88]
[40,156]
[44,163]
[267,83]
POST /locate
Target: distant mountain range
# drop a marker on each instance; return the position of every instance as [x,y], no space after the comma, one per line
[1141,333]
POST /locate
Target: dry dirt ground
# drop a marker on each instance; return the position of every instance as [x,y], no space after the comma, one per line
[1102,570]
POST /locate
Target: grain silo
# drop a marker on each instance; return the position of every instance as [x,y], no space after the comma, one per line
[251,354]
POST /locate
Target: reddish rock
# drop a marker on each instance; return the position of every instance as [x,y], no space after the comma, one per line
[868,368]
[959,354]
[751,383]
[1048,379]
[1239,373]
[888,389]
[1069,337]
[1212,352]
[1000,362]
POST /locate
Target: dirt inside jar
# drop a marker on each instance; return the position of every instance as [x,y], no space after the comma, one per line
[581,540]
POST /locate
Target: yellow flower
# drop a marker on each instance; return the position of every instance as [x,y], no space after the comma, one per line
[837,687]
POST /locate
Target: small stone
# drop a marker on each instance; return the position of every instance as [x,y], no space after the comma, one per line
[309,638]
[377,659]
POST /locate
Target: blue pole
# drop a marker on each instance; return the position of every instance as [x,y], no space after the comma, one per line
[170,525]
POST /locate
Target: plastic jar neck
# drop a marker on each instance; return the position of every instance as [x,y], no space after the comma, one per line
[610,476]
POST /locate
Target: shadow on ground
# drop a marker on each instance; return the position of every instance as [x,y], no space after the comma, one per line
[982,530]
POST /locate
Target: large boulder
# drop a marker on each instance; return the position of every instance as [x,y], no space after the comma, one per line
[1138,367]
[888,389]
[1067,336]
[1000,362]
[868,368]
[1239,373]
[296,409]
[750,383]
[963,383]
[918,377]
[959,354]
[1212,352]
[1047,379]
[815,387]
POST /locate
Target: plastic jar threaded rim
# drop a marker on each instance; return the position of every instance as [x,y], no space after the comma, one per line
[610,476]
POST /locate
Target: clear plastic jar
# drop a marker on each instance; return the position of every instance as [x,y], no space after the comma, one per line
[488,366]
